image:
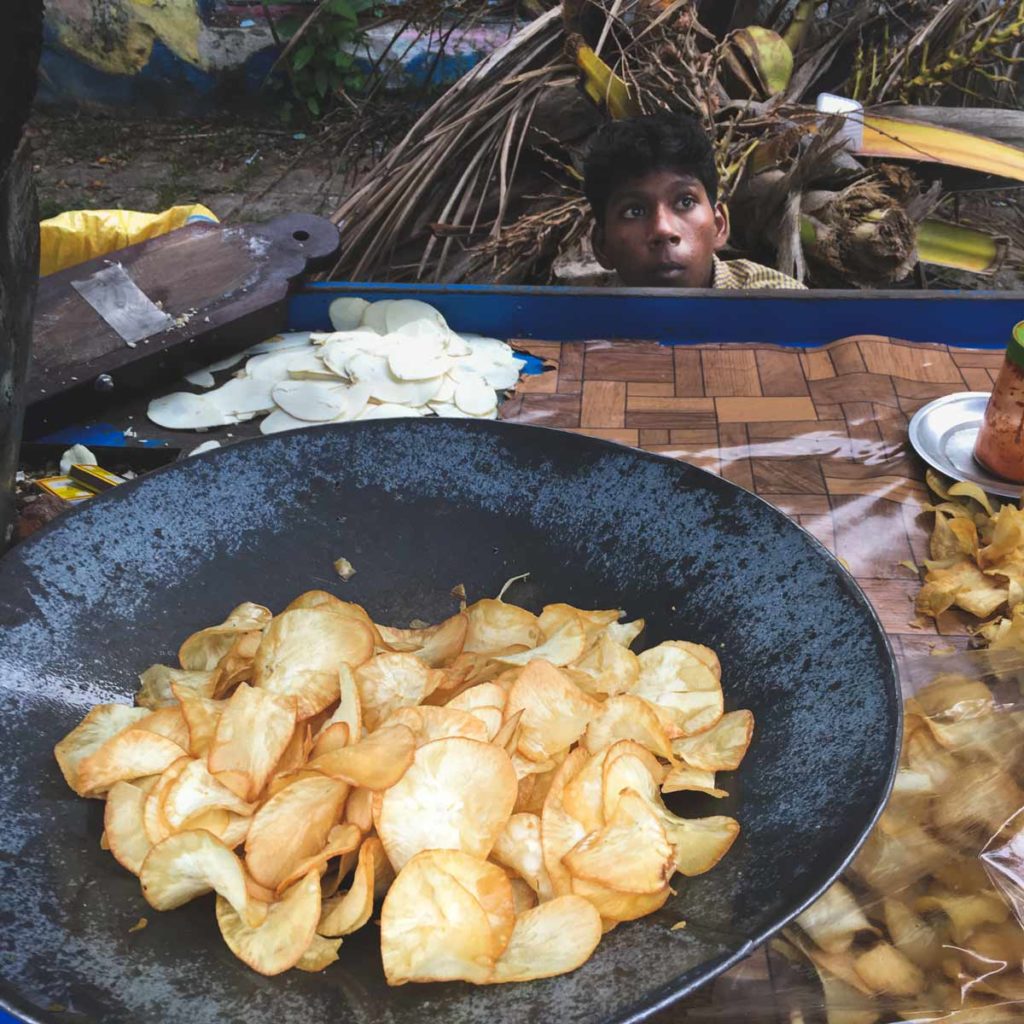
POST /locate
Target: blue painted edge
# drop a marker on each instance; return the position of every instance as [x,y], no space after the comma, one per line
[533,364]
[795,319]
[100,434]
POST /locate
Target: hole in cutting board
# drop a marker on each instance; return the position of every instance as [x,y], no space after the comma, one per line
[300,236]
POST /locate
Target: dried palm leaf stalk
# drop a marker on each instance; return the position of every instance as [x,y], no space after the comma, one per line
[440,173]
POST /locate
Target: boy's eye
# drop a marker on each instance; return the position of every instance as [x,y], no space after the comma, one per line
[686,202]
[633,211]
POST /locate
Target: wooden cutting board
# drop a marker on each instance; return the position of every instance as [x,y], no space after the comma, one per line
[118,325]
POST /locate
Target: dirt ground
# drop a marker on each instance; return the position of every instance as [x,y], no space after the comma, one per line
[243,170]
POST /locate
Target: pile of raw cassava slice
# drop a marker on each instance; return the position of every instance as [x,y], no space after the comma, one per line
[383,359]
[497,778]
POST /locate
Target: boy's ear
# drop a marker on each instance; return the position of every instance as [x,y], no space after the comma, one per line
[597,244]
[722,226]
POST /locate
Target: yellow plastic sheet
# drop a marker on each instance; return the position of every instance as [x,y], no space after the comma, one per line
[79,235]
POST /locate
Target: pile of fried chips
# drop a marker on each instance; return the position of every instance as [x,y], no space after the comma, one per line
[497,778]
[922,927]
[977,560]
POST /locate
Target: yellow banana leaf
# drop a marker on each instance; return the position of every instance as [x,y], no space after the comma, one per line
[893,139]
[951,245]
[803,15]
[603,86]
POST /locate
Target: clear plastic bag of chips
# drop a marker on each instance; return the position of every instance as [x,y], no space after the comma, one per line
[927,922]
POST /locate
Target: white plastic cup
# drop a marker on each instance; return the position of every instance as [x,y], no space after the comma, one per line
[852,112]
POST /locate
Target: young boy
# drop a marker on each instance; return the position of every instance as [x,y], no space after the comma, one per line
[653,187]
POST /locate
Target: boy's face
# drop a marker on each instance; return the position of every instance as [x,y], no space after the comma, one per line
[661,231]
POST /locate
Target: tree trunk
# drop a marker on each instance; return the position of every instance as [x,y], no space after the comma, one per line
[19,237]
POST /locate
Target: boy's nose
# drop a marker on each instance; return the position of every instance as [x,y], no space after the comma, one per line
[664,227]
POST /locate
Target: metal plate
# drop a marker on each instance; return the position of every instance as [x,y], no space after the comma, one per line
[943,433]
[418,506]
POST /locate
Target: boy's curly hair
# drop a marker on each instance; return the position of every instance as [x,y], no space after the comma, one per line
[628,149]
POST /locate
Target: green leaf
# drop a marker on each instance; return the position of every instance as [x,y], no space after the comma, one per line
[321,81]
[314,105]
[288,26]
[339,7]
[342,59]
[303,55]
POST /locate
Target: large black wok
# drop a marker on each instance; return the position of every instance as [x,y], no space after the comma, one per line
[418,506]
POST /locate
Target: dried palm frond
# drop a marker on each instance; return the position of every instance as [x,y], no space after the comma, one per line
[967,48]
[486,184]
[528,247]
[859,236]
[474,134]
[768,210]
[669,60]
